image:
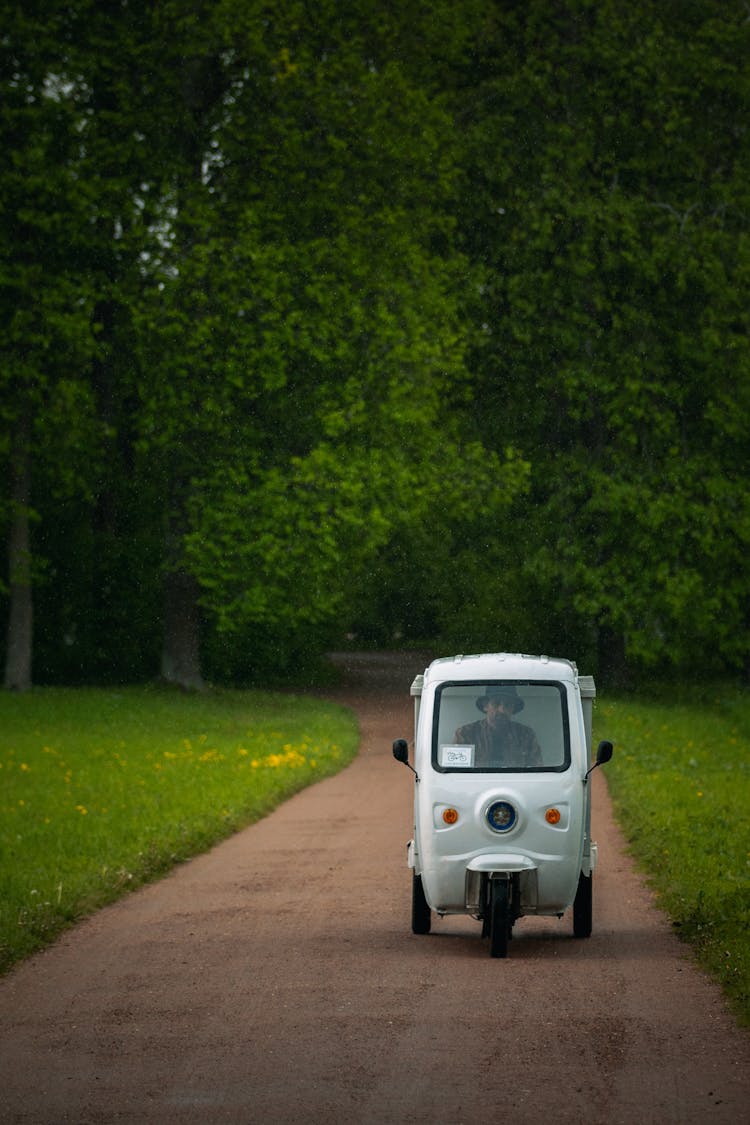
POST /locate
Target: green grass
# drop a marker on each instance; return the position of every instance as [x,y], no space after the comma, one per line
[680,782]
[101,791]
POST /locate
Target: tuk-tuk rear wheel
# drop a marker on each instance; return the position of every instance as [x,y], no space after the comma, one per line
[499,918]
[583,912]
[421,918]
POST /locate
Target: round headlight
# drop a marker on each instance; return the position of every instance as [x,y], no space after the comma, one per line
[501,816]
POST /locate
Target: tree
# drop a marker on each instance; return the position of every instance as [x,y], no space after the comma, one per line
[425,321]
[44,305]
[612,173]
[300,344]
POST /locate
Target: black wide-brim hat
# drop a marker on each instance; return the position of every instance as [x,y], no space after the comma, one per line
[506,694]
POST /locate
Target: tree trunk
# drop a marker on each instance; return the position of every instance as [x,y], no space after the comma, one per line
[613,663]
[180,662]
[21,617]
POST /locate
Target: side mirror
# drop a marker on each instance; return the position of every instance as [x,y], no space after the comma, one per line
[401,751]
[603,752]
[401,754]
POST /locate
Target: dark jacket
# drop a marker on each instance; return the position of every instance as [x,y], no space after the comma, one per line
[504,744]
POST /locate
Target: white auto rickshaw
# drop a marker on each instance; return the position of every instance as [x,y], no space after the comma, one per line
[502,805]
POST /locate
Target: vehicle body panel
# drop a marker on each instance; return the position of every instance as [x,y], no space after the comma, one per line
[546,858]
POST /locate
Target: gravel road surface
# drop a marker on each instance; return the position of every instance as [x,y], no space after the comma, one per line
[276,979]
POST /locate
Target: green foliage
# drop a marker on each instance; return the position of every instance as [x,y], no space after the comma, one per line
[402,322]
[610,178]
[103,791]
[440,576]
[299,335]
[680,781]
[45,305]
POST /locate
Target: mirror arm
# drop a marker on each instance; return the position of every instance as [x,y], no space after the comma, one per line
[401,754]
[590,771]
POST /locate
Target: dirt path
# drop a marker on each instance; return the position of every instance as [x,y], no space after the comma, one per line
[276,980]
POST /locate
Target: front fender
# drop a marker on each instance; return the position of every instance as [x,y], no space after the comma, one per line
[502,861]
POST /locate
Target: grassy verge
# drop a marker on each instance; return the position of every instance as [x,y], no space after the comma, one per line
[680,782]
[101,791]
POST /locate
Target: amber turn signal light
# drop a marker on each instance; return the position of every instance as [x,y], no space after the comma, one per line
[450,816]
[552,816]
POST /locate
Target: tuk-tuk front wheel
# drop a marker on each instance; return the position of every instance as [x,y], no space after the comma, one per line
[421,918]
[583,907]
[499,918]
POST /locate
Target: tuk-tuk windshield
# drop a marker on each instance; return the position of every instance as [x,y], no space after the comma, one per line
[497,725]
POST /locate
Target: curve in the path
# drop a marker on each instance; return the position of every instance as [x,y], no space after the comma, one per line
[276,979]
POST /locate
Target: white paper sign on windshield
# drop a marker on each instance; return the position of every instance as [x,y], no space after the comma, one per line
[456,757]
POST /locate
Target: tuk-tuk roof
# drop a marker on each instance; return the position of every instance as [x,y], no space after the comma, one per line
[498,666]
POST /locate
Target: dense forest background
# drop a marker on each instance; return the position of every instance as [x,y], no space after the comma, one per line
[412,322]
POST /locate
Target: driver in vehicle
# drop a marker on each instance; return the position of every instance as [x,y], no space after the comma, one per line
[498,740]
